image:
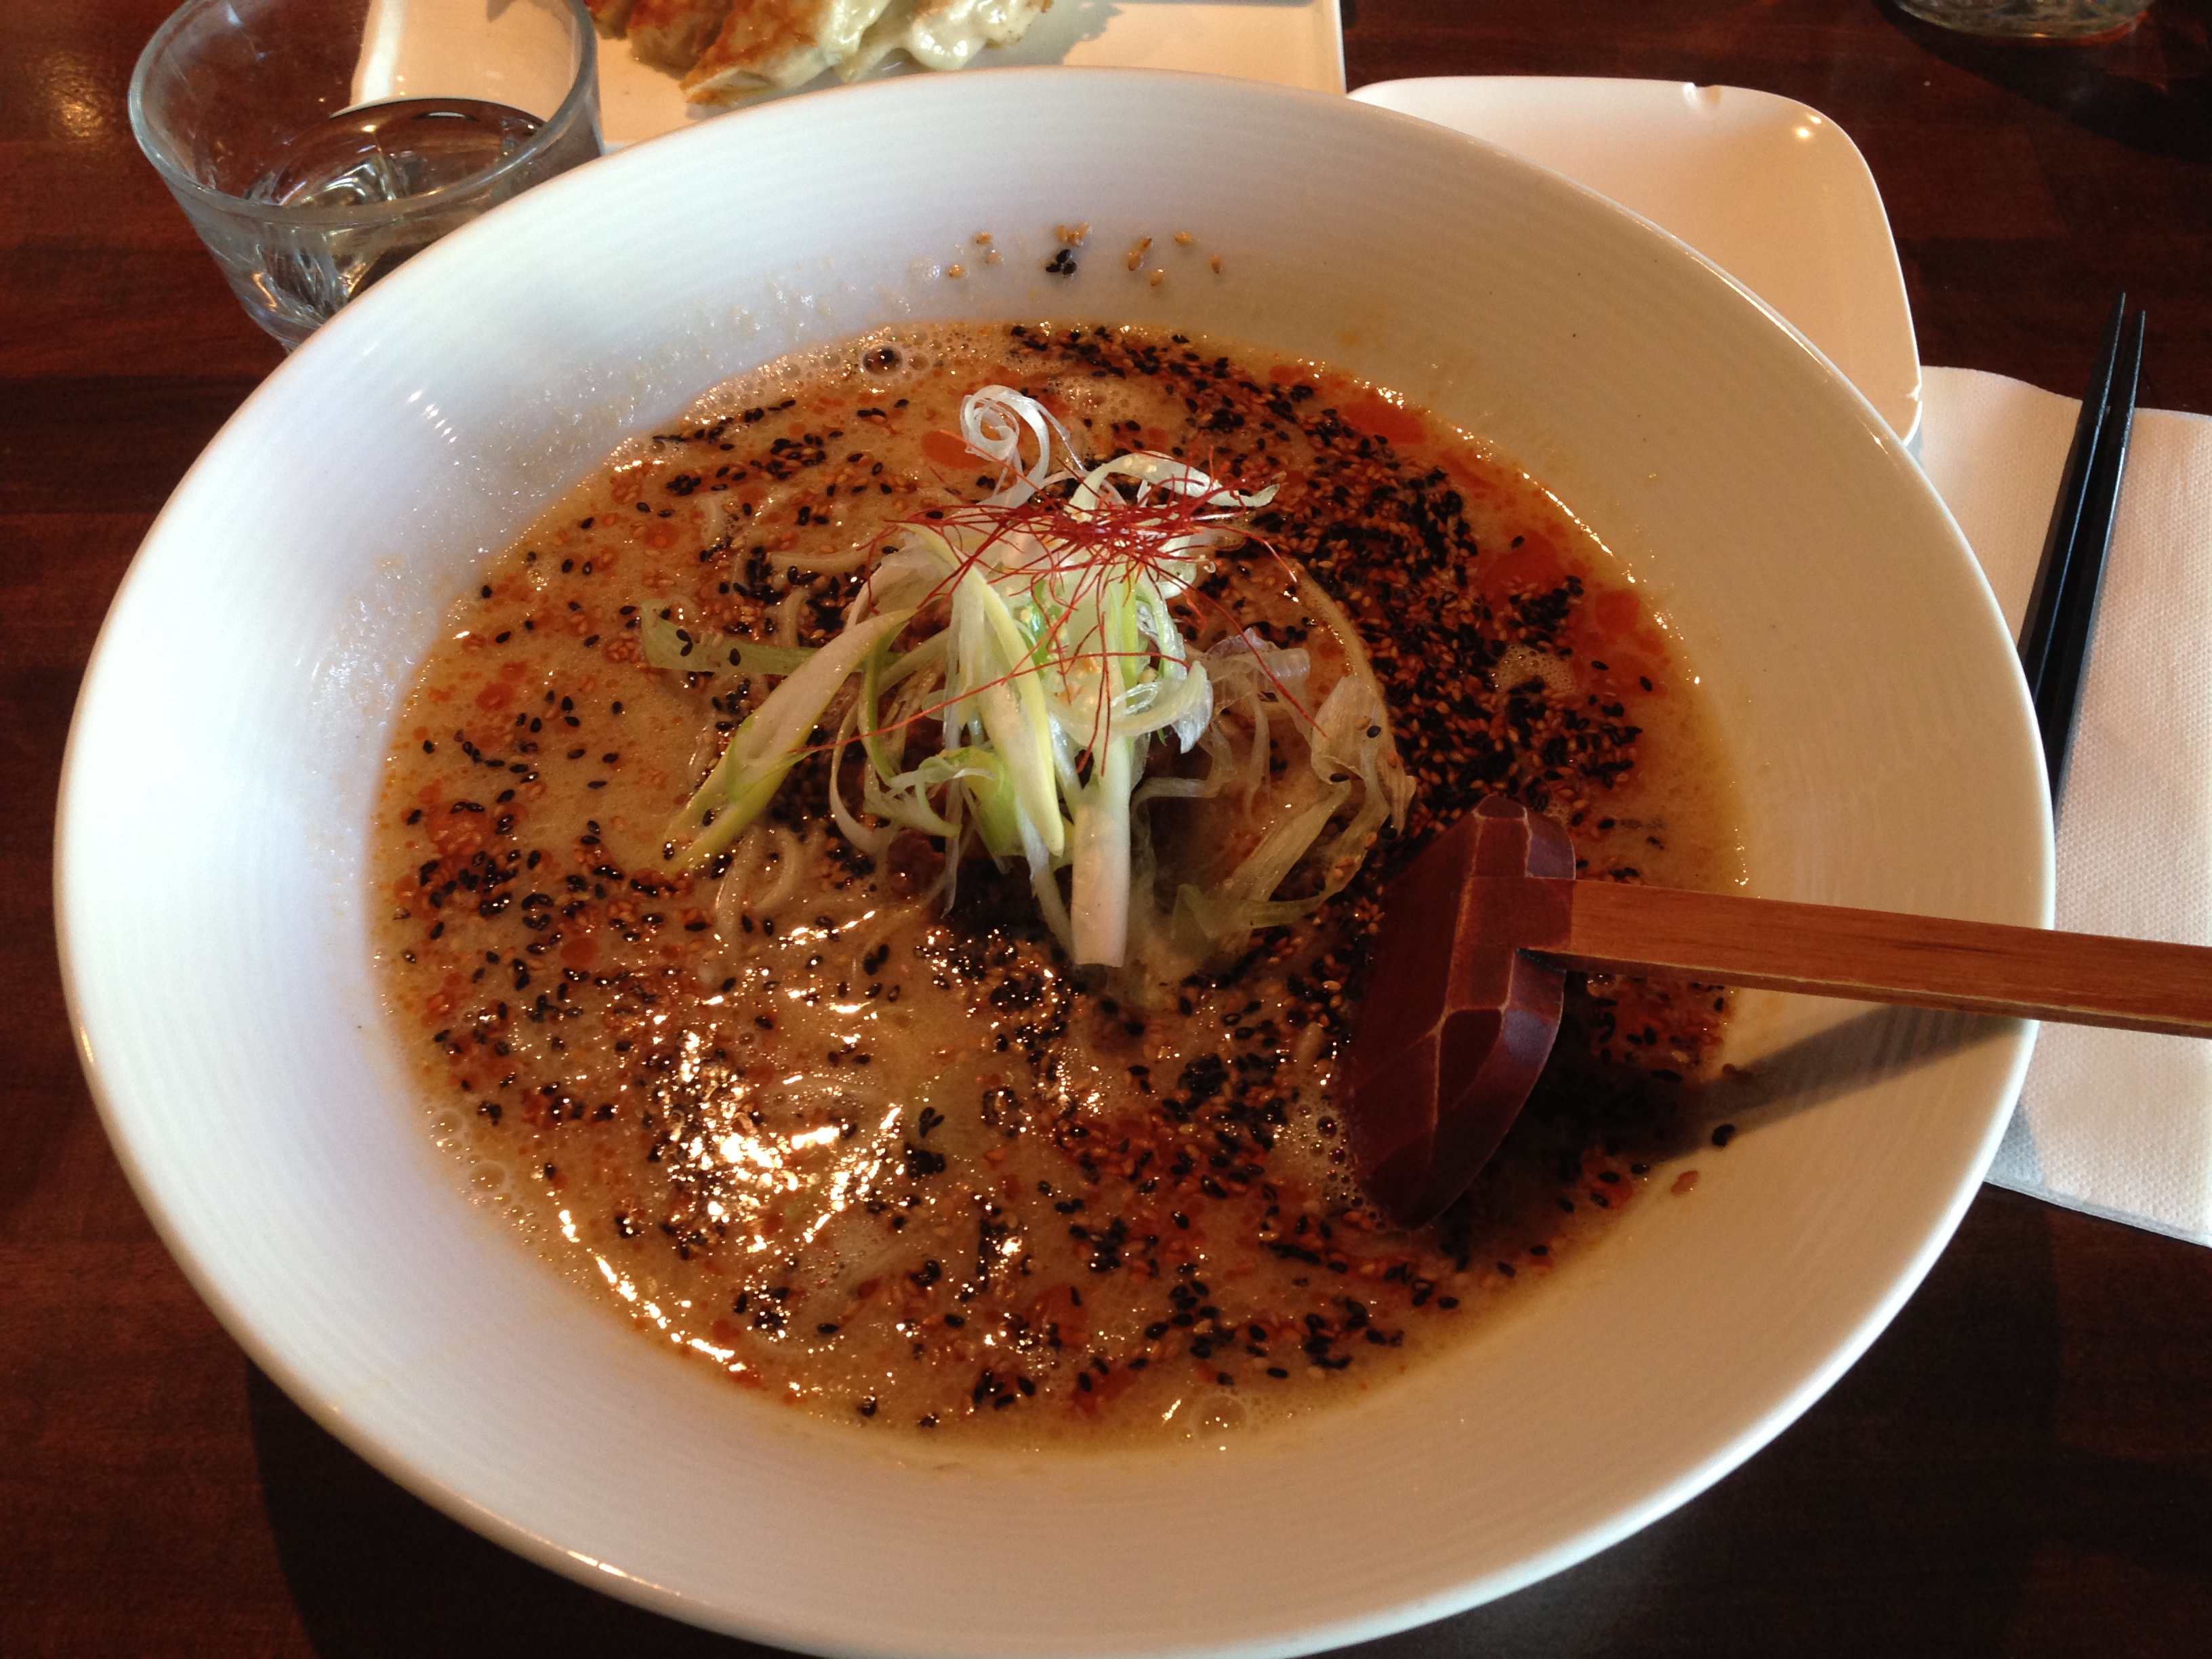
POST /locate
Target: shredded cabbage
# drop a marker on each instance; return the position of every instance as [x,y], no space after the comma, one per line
[1058,664]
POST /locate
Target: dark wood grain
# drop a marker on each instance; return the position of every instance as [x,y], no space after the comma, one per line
[2022,1465]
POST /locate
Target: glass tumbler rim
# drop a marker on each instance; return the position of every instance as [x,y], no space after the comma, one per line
[582,89]
[2110,20]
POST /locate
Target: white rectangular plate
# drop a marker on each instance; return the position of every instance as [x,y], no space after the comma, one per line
[1295,43]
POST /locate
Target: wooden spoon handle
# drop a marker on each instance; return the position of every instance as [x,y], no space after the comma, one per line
[1880,955]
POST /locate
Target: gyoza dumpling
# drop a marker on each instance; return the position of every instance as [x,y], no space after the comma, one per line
[777,43]
[670,33]
[942,34]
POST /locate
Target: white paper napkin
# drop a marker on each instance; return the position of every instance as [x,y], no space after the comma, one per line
[2117,1123]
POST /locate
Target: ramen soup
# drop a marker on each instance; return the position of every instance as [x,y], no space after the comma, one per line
[799,1053]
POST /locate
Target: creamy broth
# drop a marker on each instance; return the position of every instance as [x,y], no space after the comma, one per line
[899,1163]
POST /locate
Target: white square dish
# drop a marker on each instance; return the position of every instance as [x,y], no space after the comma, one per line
[1291,43]
[1771,190]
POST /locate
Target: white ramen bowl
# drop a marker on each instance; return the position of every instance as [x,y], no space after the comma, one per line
[227,747]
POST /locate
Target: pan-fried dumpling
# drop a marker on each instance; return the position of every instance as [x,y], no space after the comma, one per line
[942,34]
[778,43]
[670,33]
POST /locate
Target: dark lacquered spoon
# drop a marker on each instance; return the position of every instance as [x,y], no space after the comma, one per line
[1464,997]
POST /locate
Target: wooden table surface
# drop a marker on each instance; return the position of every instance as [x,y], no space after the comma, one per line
[2021,1465]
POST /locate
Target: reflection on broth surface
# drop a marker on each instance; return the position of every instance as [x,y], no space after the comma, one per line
[911,1161]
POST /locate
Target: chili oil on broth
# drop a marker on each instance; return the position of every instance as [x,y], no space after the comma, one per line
[899,1166]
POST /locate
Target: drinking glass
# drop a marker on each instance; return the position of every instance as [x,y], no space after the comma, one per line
[2049,20]
[317,144]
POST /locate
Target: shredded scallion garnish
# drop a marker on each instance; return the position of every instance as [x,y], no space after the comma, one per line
[1042,637]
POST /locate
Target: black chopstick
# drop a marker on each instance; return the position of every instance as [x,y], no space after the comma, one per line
[2062,607]
[2036,633]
